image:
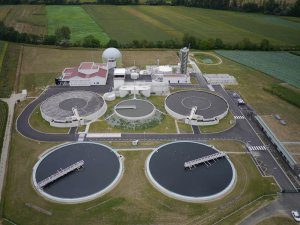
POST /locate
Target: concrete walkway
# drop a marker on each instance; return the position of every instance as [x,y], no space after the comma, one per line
[7,137]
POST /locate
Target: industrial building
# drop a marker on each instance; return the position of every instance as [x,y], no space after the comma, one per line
[86,74]
[154,79]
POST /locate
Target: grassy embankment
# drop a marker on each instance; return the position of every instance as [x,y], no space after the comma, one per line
[3,120]
[224,124]
[286,92]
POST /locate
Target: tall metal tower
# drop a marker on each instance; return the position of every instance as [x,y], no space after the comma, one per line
[184,56]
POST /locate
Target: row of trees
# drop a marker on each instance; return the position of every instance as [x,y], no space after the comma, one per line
[276,7]
[63,34]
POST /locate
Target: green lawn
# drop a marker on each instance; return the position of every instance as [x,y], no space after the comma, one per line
[80,23]
[281,65]
[37,122]
[224,124]
[35,83]
[3,119]
[153,23]
[184,128]
[166,126]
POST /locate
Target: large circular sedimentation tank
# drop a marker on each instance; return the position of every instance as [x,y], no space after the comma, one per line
[210,106]
[101,171]
[205,182]
[58,109]
[135,109]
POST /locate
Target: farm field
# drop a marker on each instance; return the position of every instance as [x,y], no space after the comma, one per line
[281,65]
[26,18]
[152,23]
[251,85]
[80,23]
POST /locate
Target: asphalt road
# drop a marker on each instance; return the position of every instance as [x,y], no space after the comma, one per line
[283,205]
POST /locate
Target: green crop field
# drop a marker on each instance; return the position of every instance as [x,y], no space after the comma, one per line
[281,65]
[80,23]
[152,23]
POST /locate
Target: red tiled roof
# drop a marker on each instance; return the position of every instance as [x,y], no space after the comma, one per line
[73,72]
[86,66]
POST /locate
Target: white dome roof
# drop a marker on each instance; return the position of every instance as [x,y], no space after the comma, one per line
[111,53]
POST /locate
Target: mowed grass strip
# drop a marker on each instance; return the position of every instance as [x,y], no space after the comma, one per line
[3,119]
[9,69]
[80,23]
[281,65]
[153,23]
[3,47]
[27,19]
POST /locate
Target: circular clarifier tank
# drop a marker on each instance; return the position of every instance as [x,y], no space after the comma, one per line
[101,170]
[58,110]
[135,109]
[203,182]
[209,105]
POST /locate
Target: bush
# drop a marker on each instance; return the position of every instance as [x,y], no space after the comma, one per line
[285,93]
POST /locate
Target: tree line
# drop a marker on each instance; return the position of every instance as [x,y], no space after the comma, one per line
[275,7]
[63,34]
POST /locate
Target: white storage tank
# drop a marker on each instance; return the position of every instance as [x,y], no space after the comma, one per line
[134,75]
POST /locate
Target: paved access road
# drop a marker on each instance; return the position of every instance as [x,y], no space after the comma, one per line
[283,205]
